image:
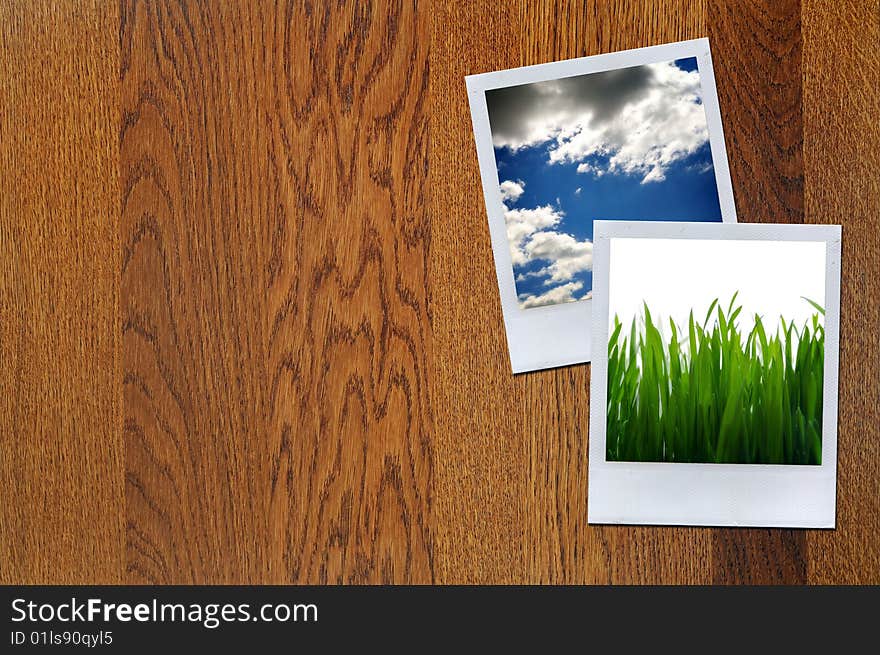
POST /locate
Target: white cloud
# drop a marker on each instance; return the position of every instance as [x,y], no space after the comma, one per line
[522,277]
[556,295]
[567,255]
[584,167]
[511,191]
[522,223]
[531,239]
[701,168]
[643,119]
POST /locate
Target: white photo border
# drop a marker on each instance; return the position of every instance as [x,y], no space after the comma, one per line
[550,336]
[744,495]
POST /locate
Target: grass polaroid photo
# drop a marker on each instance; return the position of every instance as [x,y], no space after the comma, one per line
[713,391]
[633,135]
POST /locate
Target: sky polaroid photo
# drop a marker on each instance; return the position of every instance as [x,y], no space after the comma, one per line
[714,374]
[633,135]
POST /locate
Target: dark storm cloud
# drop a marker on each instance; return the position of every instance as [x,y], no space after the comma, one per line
[521,115]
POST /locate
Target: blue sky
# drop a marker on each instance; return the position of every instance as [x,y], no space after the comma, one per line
[629,144]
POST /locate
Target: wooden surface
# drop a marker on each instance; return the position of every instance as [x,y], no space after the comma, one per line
[249,324]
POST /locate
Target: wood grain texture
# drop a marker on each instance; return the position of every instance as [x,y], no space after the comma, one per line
[480,409]
[842,157]
[250,321]
[756,54]
[757,60]
[348,333]
[193,204]
[61,453]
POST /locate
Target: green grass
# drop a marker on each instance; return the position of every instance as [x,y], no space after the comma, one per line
[713,394]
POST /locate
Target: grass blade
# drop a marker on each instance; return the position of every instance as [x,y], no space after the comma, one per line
[725,397]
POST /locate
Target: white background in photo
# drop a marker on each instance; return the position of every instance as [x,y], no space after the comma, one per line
[674,276]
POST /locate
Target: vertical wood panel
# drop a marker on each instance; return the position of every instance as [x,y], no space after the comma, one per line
[842,159]
[756,48]
[60,447]
[193,207]
[757,53]
[348,315]
[481,411]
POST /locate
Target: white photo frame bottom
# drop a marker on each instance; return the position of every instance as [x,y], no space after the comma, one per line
[625,486]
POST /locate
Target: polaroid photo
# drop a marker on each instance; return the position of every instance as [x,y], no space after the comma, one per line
[714,374]
[633,135]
